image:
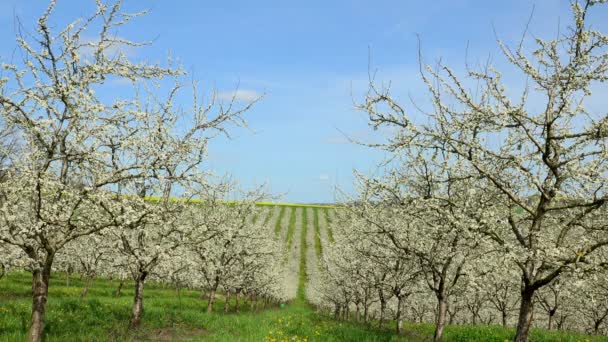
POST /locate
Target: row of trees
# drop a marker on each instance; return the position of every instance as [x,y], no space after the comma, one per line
[491,203]
[212,247]
[89,176]
[393,264]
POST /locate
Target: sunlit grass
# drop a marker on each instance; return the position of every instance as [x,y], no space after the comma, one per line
[330,233]
[318,245]
[302,276]
[277,225]
[103,317]
[291,228]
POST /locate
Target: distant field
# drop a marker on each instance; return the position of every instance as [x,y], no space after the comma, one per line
[331,206]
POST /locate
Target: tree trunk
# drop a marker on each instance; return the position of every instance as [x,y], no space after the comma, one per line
[399,315]
[40,292]
[227,302]
[550,323]
[211,301]
[440,319]
[87,285]
[138,300]
[179,295]
[119,289]
[382,309]
[504,318]
[525,315]
[236,301]
[357,312]
[346,311]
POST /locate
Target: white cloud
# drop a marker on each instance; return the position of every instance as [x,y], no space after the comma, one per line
[323,177]
[242,95]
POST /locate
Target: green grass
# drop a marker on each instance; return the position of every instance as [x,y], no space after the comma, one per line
[318,245]
[102,317]
[277,225]
[330,233]
[268,216]
[302,276]
[465,333]
[296,205]
[291,228]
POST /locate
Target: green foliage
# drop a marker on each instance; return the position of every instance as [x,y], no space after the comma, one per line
[302,276]
[268,216]
[295,205]
[291,228]
[103,317]
[277,226]
[330,233]
[318,245]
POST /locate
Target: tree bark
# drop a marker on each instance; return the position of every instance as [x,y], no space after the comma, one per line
[87,285]
[346,311]
[596,326]
[399,315]
[212,295]
[211,301]
[525,314]
[119,289]
[227,302]
[138,300]
[550,323]
[440,319]
[504,318]
[40,292]
[382,308]
[179,295]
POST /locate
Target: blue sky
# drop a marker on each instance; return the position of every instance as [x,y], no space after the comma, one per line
[308,57]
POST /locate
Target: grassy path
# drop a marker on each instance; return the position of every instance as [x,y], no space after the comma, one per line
[318,244]
[328,219]
[302,276]
[167,316]
[279,223]
[291,228]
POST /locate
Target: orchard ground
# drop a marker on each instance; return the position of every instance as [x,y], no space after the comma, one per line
[181,316]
